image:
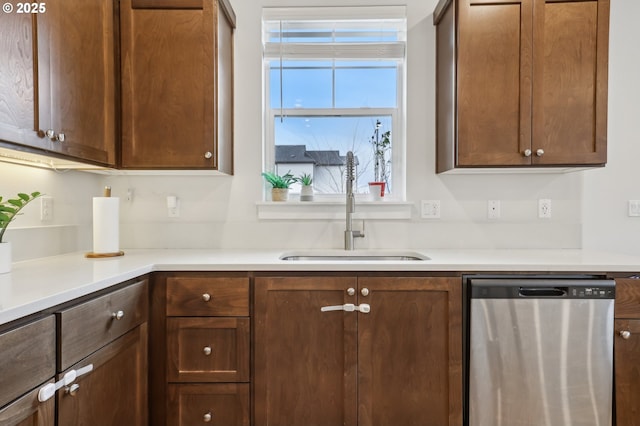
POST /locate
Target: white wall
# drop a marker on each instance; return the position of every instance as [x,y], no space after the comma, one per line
[220,212]
[606,191]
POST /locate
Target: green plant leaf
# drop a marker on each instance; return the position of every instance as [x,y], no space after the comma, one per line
[17,203]
[23,196]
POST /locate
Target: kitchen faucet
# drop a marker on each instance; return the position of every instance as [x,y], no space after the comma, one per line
[349,233]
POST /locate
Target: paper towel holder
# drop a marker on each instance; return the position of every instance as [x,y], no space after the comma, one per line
[93,255]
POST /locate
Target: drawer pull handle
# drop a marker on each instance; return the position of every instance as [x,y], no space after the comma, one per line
[72,390]
[207,417]
[206,297]
[207,350]
[625,334]
[117,315]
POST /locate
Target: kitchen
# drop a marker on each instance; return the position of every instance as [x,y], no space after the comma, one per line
[220,212]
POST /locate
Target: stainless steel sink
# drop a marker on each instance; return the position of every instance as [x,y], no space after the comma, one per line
[354,256]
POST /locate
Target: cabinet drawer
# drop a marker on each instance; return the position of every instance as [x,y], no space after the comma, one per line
[627,298]
[208,296]
[28,411]
[27,358]
[88,326]
[219,404]
[208,349]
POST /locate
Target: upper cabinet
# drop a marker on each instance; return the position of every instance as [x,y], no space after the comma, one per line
[521,83]
[57,79]
[177,84]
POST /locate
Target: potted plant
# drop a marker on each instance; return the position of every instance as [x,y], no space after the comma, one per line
[9,209]
[381,144]
[306,191]
[279,185]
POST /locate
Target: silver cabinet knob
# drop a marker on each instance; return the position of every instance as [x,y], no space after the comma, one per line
[72,390]
[208,155]
[207,350]
[117,315]
[60,137]
[351,291]
[625,334]
[206,297]
[50,134]
[540,152]
[364,291]
[207,417]
[527,153]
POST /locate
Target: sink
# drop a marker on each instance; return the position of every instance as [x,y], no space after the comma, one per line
[354,256]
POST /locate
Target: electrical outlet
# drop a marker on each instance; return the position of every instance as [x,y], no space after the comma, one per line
[431,209]
[544,208]
[46,209]
[493,209]
[634,208]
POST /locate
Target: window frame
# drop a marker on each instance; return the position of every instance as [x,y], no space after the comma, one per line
[398,114]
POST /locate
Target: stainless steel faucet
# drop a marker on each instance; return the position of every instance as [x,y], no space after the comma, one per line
[349,233]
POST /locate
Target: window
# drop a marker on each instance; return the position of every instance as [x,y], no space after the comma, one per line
[334,82]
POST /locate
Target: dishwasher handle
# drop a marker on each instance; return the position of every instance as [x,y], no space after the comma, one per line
[543,291]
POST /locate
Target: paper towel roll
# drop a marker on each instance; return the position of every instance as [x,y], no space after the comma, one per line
[106,225]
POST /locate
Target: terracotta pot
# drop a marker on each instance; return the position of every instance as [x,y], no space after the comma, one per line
[376,189]
[5,258]
[279,194]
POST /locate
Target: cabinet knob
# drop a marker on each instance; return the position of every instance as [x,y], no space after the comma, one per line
[208,155]
[207,417]
[364,291]
[625,334]
[207,350]
[351,291]
[50,134]
[540,152]
[72,390]
[527,153]
[117,315]
[206,297]
[60,137]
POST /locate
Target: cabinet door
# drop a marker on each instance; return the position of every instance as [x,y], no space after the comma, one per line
[76,77]
[494,82]
[28,411]
[171,115]
[627,372]
[570,81]
[410,352]
[19,115]
[115,392]
[305,359]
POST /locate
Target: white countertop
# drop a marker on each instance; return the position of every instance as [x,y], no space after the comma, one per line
[40,284]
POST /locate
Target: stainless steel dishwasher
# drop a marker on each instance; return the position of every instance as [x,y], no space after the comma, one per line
[540,352]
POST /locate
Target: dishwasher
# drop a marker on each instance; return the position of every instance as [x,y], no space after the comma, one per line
[539,351]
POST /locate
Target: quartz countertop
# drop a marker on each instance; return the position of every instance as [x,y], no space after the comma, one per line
[40,284]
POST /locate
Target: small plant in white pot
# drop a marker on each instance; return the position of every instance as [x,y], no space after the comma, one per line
[306,191]
[9,209]
[279,185]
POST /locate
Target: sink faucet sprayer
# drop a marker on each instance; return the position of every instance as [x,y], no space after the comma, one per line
[349,233]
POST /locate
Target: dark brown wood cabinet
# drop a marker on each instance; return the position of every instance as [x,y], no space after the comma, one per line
[27,362]
[399,363]
[177,84]
[521,83]
[627,351]
[110,333]
[201,341]
[58,81]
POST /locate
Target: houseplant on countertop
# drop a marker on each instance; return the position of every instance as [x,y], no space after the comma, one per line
[9,209]
[280,185]
[306,191]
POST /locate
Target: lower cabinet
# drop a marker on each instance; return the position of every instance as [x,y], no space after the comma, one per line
[27,362]
[385,350]
[200,341]
[627,352]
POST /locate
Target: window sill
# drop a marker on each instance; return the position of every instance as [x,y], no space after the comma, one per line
[323,210]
